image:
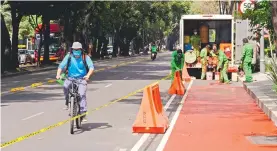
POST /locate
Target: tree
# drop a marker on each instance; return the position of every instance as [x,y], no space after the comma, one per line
[227,7]
[16,18]
[25,28]
[211,7]
[274,21]
[260,17]
[92,22]
[5,41]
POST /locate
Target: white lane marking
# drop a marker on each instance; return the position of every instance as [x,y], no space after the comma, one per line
[173,121]
[32,116]
[108,85]
[145,136]
[125,78]
[122,149]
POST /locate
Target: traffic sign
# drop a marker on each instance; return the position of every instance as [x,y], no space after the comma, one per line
[246,4]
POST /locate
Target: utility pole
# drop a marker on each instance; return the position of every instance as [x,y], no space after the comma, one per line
[262,57]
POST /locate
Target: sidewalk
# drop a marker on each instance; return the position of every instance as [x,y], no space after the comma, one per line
[223,117]
[261,91]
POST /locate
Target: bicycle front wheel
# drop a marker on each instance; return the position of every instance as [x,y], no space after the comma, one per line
[72,114]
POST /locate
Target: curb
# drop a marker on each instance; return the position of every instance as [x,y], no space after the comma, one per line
[266,108]
[27,72]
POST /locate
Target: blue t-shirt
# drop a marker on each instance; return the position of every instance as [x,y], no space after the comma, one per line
[76,68]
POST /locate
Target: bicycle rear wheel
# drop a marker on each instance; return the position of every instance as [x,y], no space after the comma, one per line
[72,114]
[78,120]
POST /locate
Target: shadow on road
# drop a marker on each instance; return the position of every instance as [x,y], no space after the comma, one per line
[138,71]
[90,126]
[146,70]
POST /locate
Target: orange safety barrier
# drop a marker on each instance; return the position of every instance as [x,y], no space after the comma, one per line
[151,117]
[185,74]
[177,86]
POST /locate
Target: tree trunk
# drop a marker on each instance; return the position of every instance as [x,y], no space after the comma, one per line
[99,46]
[115,44]
[126,48]
[66,31]
[94,43]
[16,18]
[6,44]
[274,22]
[46,22]
[105,46]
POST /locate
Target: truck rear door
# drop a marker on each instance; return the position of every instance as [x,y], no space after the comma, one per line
[242,30]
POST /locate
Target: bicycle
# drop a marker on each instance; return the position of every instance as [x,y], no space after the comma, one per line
[74,103]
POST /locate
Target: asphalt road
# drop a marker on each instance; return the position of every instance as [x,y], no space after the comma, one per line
[109,128]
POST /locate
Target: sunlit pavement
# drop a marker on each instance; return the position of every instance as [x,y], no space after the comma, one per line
[213,117]
[223,118]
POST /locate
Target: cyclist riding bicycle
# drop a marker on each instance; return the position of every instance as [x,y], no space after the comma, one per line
[77,64]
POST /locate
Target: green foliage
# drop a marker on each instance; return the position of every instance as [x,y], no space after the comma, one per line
[261,15]
[237,15]
[204,7]
[26,26]
[5,10]
[272,68]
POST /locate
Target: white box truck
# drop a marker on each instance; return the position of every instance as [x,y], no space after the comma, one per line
[219,30]
[222,29]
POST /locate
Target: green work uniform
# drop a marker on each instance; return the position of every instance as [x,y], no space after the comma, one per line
[246,59]
[176,64]
[204,61]
[195,42]
[223,64]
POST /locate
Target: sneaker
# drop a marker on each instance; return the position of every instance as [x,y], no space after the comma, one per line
[84,119]
[66,107]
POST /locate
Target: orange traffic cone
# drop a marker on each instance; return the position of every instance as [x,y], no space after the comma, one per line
[151,117]
[185,74]
[177,86]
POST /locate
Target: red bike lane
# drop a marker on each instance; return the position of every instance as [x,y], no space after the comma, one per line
[221,118]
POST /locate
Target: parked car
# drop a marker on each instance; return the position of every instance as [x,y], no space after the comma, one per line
[110,51]
[32,54]
[24,57]
[52,54]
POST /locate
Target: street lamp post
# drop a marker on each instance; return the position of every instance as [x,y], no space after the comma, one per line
[262,57]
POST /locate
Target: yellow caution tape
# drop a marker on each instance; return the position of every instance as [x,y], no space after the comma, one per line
[34,85]
[17,89]
[51,81]
[21,138]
